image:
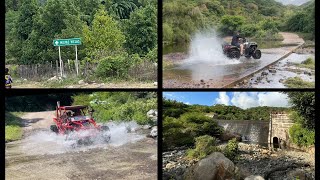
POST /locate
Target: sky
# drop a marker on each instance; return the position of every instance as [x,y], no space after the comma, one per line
[294,2]
[243,100]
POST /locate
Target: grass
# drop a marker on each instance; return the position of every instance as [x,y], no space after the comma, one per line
[13,130]
[116,82]
[297,82]
[308,63]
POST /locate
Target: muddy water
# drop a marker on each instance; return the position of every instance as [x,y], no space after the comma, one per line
[42,142]
[206,75]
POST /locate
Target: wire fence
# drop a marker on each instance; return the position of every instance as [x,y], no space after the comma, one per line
[145,71]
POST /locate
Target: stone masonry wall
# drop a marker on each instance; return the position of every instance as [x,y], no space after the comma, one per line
[279,126]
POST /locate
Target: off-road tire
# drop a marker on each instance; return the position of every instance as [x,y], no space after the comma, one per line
[54,128]
[105,128]
[234,54]
[257,54]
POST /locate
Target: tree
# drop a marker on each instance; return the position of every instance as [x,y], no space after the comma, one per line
[122,8]
[229,24]
[304,104]
[141,30]
[104,37]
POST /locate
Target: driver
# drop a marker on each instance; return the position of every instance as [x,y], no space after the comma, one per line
[235,41]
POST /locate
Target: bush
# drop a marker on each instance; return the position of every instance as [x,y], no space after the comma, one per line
[205,145]
[302,136]
[229,24]
[114,65]
[231,149]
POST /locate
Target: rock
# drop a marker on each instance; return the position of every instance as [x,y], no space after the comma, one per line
[264,151]
[155,83]
[202,81]
[272,70]
[253,177]
[281,80]
[152,112]
[227,135]
[241,173]
[215,166]
[54,78]
[81,82]
[307,73]
[146,127]
[264,73]
[274,155]
[170,165]
[25,80]
[154,132]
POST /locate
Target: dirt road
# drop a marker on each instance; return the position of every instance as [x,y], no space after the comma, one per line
[36,158]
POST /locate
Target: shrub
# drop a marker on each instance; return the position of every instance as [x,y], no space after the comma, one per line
[231,149]
[302,136]
[114,65]
[204,146]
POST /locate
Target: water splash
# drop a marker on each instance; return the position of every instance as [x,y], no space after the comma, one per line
[206,47]
[46,142]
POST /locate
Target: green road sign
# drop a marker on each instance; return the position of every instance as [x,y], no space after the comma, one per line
[67,42]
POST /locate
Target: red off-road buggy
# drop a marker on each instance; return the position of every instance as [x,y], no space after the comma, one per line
[77,123]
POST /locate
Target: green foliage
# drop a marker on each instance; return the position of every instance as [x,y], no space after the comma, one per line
[103,38]
[13,124]
[308,63]
[141,30]
[36,103]
[183,130]
[297,82]
[112,65]
[119,106]
[231,151]
[303,20]
[229,24]
[304,104]
[204,146]
[106,28]
[122,8]
[301,136]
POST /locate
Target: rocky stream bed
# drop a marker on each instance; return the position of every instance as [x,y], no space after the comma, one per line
[254,162]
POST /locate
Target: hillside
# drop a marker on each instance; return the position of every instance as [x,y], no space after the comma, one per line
[261,19]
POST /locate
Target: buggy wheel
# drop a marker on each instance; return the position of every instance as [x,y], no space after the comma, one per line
[54,128]
[105,128]
[234,54]
[106,133]
[257,54]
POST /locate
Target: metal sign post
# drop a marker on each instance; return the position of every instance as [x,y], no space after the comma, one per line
[77,64]
[67,42]
[60,60]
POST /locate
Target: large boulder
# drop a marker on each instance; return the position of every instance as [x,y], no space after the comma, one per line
[214,167]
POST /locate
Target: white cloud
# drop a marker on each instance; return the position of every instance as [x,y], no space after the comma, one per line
[247,100]
[187,103]
[273,99]
[222,99]
[244,100]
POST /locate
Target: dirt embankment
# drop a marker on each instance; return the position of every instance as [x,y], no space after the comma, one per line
[133,160]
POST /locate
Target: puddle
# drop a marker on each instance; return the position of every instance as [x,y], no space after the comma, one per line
[46,142]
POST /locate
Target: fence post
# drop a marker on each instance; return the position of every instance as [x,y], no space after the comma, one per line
[57,68]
